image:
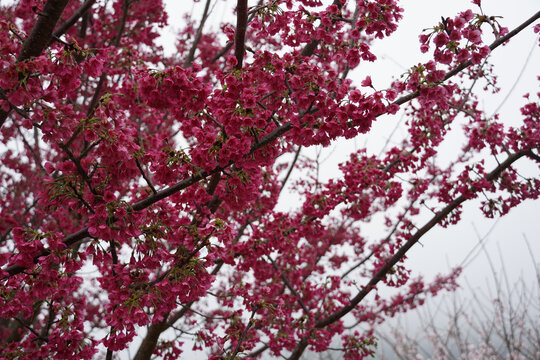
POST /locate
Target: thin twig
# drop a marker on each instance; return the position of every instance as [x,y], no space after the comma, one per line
[143,173]
[198,35]
[291,168]
[244,333]
[289,285]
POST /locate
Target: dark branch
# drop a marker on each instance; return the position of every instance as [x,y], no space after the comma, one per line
[198,35]
[244,333]
[40,36]
[146,178]
[400,254]
[291,168]
[466,64]
[42,31]
[73,19]
[240,35]
[150,340]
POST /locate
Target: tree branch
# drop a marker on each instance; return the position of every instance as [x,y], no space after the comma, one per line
[40,36]
[150,340]
[244,333]
[400,254]
[146,178]
[466,64]
[413,240]
[289,286]
[240,35]
[73,19]
[198,35]
[43,29]
[291,168]
[276,133]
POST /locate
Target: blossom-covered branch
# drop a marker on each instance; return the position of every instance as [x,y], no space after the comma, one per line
[145,190]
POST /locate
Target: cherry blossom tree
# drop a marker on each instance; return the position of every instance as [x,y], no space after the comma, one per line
[159,175]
